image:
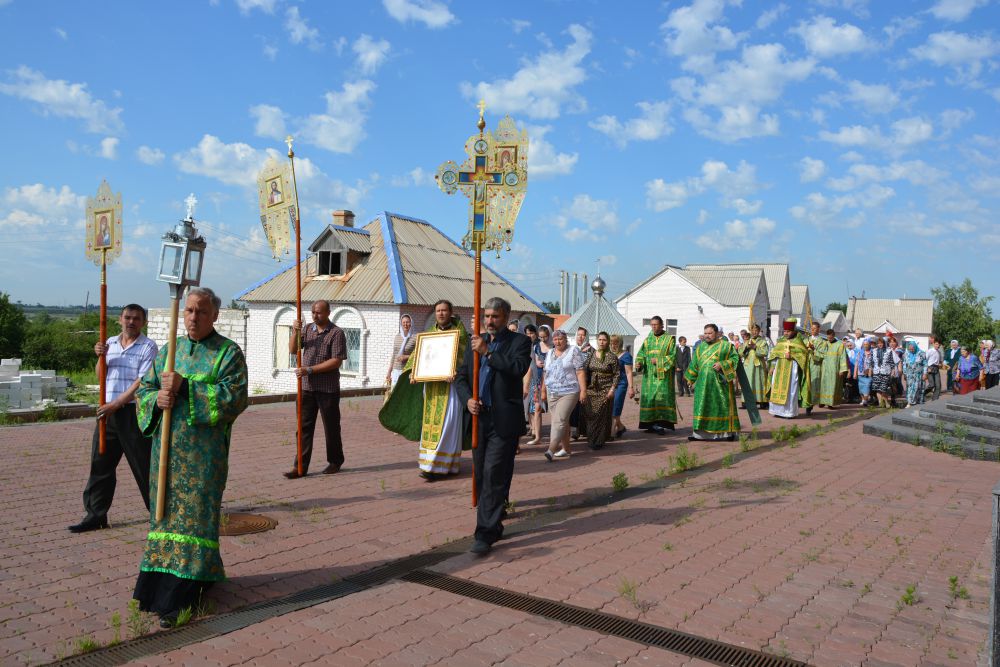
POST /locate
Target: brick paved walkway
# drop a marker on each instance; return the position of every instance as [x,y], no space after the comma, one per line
[804,550]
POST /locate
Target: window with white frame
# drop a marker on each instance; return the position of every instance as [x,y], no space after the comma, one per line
[350,322]
[670,326]
[282,334]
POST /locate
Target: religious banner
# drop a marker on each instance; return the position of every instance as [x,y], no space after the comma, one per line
[104,226]
[278,205]
[494,177]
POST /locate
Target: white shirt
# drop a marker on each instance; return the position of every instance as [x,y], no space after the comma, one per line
[933,357]
[127,364]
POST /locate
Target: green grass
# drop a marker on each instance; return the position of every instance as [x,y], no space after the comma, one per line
[619,482]
[910,597]
[87,644]
[77,391]
[956,590]
[683,461]
[727,460]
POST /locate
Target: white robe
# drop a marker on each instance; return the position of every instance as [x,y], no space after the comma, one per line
[445,459]
[790,408]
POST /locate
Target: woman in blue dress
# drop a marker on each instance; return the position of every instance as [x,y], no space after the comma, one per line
[863,370]
[536,406]
[914,373]
[624,387]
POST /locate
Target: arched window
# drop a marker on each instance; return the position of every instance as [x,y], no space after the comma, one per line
[282,332]
[350,321]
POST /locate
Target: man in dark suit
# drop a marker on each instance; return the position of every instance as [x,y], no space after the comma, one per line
[504,359]
[681,365]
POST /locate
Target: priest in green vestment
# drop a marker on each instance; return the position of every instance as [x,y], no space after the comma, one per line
[711,374]
[753,355]
[816,344]
[655,360]
[431,412]
[834,370]
[206,392]
[790,363]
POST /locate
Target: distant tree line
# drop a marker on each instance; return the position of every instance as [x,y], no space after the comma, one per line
[63,344]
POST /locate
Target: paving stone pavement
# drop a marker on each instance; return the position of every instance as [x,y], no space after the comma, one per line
[803,549]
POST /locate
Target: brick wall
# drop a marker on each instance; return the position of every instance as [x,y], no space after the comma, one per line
[232,324]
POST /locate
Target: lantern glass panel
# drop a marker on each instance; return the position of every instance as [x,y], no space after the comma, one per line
[193,275]
[171,263]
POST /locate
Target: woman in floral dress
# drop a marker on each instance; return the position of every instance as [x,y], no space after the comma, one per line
[603,370]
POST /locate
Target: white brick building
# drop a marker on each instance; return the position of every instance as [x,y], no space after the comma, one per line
[371,276]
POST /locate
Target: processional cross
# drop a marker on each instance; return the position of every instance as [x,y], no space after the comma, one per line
[494,177]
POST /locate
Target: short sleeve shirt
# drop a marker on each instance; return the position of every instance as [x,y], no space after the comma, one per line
[560,372]
[126,364]
[317,347]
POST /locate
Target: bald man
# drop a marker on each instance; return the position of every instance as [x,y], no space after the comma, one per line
[324,349]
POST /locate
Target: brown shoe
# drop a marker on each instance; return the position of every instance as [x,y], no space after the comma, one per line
[293,474]
[331,470]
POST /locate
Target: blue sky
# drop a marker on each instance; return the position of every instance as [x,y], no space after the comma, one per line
[857,140]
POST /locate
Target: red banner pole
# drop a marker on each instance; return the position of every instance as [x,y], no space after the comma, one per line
[298,316]
[102,363]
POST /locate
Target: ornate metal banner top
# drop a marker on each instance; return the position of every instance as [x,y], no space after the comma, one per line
[104,225]
[277,205]
[494,177]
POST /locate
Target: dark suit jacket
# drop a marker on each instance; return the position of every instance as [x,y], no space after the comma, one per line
[510,362]
[683,359]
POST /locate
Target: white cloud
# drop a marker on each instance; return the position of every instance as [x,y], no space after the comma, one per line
[652,123]
[905,133]
[416,176]
[692,33]
[962,52]
[37,205]
[544,160]
[952,119]
[732,185]
[608,260]
[431,13]
[737,235]
[270,51]
[299,30]
[955,10]
[109,148]
[518,25]
[340,129]
[898,27]
[824,38]
[738,90]
[63,35]
[811,169]
[247,6]
[875,98]
[270,121]
[150,156]
[770,16]
[64,100]
[587,219]
[543,87]
[916,172]
[370,53]
[843,210]
[987,185]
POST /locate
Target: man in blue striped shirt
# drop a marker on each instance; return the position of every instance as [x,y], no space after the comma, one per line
[129,355]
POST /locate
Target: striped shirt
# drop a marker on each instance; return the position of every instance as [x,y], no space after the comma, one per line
[127,364]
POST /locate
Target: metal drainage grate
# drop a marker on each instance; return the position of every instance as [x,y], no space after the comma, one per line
[241,523]
[692,646]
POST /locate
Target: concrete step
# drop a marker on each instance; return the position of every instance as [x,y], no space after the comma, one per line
[989,397]
[980,409]
[973,434]
[885,427]
[959,417]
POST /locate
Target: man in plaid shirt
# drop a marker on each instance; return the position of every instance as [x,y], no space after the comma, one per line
[324,349]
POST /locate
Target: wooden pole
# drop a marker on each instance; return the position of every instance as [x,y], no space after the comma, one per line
[102,362]
[298,316]
[161,485]
[477,318]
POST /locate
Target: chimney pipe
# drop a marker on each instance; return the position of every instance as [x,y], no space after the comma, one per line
[584,291]
[343,218]
[576,292]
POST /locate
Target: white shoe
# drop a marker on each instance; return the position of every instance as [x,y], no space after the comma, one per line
[561,454]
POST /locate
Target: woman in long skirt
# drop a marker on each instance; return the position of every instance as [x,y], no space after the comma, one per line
[914,373]
[863,371]
[883,364]
[967,371]
[624,387]
[604,373]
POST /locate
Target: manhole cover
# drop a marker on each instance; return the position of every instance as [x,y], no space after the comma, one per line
[240,523]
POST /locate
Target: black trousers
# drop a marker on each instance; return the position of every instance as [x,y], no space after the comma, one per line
[992,379]
[122,438]
[682,385]
[934,382]
[493,461]
[328,406]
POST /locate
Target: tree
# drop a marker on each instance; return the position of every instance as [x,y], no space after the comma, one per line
[13,325]
[960,314]
[835,305]
[63,345]
[551,306]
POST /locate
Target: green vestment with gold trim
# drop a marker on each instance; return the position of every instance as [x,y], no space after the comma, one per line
[781,382]
[834,362]
[714,394]
[755,366]
[816,366]
[186,542]
[657,401]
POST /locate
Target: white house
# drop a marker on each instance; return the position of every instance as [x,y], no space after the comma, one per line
[779,293]
[801,305]
[371,276]
[834,319]
[906,318]
[687,299]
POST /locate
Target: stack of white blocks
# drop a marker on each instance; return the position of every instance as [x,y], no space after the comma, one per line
[29,389]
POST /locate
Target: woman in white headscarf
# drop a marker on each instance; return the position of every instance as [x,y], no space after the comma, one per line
[991,365]
[403,345]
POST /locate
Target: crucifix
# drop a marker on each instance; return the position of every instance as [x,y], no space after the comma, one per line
[494,177]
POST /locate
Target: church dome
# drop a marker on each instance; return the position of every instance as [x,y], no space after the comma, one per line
[598,285]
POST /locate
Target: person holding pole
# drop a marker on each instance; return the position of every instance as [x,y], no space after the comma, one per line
[504,357]
[128,356]
[324,349]
[204,395]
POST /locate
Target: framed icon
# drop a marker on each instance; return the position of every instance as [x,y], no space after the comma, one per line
[275,192]
[104,226]
[436,355]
